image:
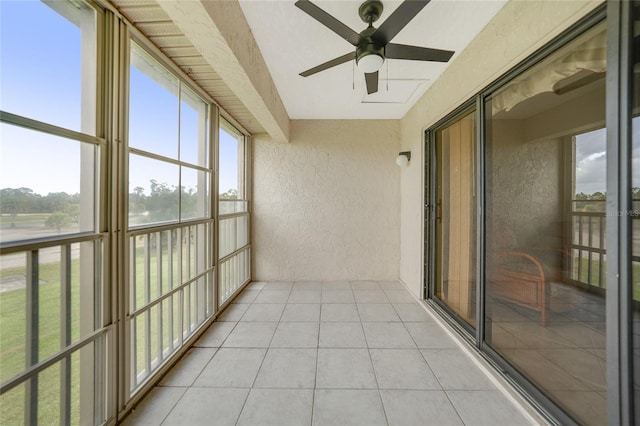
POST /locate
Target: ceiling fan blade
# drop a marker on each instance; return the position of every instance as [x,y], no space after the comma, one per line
[398,20]
[329,21]
[329,64]
[415,53]
[372,82]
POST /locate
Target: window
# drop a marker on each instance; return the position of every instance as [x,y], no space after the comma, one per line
[233,224]
[232,170]
[170,244]
[61,40]
[68,276]
[169,166]
[53,314]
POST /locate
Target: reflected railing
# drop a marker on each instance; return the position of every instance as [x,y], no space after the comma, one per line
[588,244]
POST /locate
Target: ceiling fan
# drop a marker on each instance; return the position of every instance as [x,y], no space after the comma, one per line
[373,44]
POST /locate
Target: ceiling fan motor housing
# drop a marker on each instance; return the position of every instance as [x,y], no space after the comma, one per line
[368,45]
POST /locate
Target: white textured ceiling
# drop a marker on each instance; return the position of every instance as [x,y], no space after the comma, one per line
[292,42]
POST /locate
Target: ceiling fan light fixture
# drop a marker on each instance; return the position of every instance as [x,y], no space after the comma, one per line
[369,63]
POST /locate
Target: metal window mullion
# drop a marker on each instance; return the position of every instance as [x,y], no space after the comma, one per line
[180,254]
[170,243]
[31,124]
[99,345]
[142,153]
[181,316]
[188,248]
[180,262]
[36,369]
[248,170]
[45,242]
[214,135]
[134,352]
[159,289]
[198,262]
[147,298]
[188,288]
[65,334]
[480,225]
[133,343]
[602,230]
[32,335]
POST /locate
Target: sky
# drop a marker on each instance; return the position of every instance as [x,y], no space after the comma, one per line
[40,78]
[591,162]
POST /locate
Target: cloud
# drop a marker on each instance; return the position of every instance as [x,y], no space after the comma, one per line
[591,162]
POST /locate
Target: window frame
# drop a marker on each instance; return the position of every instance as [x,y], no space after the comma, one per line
[133,388]
[98,405]
[233,278]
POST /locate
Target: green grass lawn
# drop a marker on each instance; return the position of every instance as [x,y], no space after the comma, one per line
[13,329]
[23,220]
[13,346]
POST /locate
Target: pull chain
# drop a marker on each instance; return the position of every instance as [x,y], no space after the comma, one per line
[387,75]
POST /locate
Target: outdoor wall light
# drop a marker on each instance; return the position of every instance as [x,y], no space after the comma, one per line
[403,158]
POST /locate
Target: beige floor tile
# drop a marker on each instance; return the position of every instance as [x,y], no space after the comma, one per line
[288,368]
[231,368]
[335,407]
[341,335]
[345,369]
[278,407]
[199,406]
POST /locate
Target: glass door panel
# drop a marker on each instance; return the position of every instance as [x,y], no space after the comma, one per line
[455,228]
[544,221]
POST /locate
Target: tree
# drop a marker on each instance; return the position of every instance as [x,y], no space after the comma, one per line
[15,201]
[137,200]
[189,202]
[231,194]
[58,220]
[56,202]
[162,203]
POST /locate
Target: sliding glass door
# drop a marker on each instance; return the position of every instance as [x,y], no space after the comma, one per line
[455,230]
[522,250]
[546,188]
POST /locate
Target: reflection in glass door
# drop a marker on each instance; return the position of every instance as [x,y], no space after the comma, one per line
[455,230]
[545,180]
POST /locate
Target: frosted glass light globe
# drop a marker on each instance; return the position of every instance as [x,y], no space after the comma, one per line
[370,63]
[402,160]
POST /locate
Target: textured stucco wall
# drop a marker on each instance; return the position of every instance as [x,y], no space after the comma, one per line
[525,181]
[520,28]
[326,205]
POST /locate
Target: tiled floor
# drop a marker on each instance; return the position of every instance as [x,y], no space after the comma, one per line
[330,353]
